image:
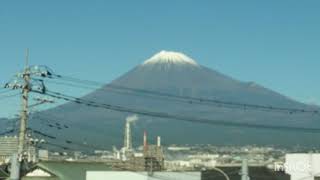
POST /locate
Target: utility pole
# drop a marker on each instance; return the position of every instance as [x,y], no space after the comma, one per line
[17,159]
[25,105]
[15,167]
[245,170]
[24,81]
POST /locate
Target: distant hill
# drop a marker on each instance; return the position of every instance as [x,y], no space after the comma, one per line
[175,73]
[6,126]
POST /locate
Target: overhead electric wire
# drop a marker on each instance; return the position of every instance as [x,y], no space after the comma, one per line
[122,91]
[50,121]
[70,84]
[245,105]
[177,117]
[53,125]
[67,141]
[58,145]
[9,96]
[182,118]
[5,91]
[187,99]
[7,132]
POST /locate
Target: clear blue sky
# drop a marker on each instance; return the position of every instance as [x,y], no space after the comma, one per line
[274,43]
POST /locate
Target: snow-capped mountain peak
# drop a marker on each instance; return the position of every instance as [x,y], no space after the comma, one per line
[170,57]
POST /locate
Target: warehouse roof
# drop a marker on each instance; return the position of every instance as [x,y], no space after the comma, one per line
[64,170]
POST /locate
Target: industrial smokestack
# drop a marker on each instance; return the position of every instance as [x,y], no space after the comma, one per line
[127,132]
[158,141]
[145,143]
[127,136]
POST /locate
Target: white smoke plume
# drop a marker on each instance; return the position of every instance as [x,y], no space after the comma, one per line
[132,118]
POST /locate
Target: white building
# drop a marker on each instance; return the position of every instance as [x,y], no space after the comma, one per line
[125,175]
[175,148]
[303,166]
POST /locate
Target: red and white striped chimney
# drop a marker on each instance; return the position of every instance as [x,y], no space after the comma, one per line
[145,141]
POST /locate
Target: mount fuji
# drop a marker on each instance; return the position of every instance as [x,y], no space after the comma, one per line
[178,74]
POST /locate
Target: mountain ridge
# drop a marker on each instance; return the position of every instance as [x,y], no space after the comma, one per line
[105,127]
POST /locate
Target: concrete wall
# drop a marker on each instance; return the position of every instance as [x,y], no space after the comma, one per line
[125,175]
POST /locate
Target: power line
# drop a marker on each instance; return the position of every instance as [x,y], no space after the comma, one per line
[5,91]
[67,141]
[177,117]
[186,99]
[9,96]
[7,132]
[58,145]
[12,124]
[51,122]
[111,89]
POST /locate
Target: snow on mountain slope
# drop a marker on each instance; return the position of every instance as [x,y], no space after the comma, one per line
[170,58]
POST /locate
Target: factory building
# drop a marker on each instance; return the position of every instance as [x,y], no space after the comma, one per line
[151,159]
[153,155]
